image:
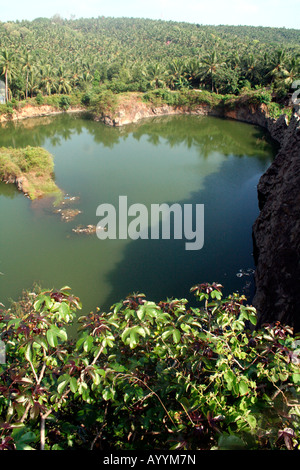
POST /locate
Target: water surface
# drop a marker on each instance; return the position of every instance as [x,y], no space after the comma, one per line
[182,159]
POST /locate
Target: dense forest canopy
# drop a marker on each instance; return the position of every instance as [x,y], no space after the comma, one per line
[125,54]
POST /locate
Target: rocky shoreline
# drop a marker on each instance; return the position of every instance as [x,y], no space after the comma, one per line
[30,111]
[276,232]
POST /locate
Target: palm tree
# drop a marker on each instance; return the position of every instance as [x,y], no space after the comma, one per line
[28,66]
[210,67]
[8,68]
[156,75]
[32,83]
[278,68]
[292,72]
[63,83]
[193,71]
[177,75]
[48,81]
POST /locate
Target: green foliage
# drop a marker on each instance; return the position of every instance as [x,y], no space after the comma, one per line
[64,102]
[6,109]
[34,165]
[103,101]
[147,375]
[184,98]
[127,54]
[39,99]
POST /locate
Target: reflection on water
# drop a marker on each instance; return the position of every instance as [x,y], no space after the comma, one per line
[182,159]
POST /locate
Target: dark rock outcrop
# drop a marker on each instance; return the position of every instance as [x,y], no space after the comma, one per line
[276,232]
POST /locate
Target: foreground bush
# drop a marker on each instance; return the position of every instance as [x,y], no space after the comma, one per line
[147,375]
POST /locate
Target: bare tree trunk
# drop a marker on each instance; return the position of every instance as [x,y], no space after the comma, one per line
[6,88]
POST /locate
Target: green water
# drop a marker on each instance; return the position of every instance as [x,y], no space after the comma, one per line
[182,159]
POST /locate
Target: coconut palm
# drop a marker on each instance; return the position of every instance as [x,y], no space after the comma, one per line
[156,75]
[28,67]
[177,75]
[48,82]
[193,69]
[63,81]
[278,64]
[8,68]
[210,66]
[32,83]
[292,72]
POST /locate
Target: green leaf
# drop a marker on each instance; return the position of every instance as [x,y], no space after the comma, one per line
[230,442]
[80,342]
[167,333]
[117,307]
[41,340]
[23,438]
[108,393]
[83,390]
[63,382]
[28,352]
[55,332]
[88,343]
[42,299]
[243,387]
[130,335]
[73,384]
[251,420]
[62,334]
[64,310]
[141,312]
[52,338]
[231,381]
[176,336]
[296,377]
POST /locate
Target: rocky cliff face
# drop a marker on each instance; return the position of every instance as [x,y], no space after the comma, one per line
[276,233]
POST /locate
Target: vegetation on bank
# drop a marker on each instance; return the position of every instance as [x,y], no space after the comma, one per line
[92,62]
[57,56]
[31,168]
[147,375]
[104,102]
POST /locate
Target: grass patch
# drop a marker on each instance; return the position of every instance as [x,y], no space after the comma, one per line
[31,168]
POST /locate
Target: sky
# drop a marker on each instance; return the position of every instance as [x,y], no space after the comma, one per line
[275,13]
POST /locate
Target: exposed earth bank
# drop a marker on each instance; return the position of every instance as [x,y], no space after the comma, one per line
[276,232]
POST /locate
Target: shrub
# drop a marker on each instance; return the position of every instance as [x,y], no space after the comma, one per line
[86,99]
[147,375]
[104,101]
[64,102]
[39,99]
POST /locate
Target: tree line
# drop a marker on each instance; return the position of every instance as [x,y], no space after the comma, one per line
[57,56]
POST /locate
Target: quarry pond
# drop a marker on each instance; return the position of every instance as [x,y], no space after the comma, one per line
[185,160]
